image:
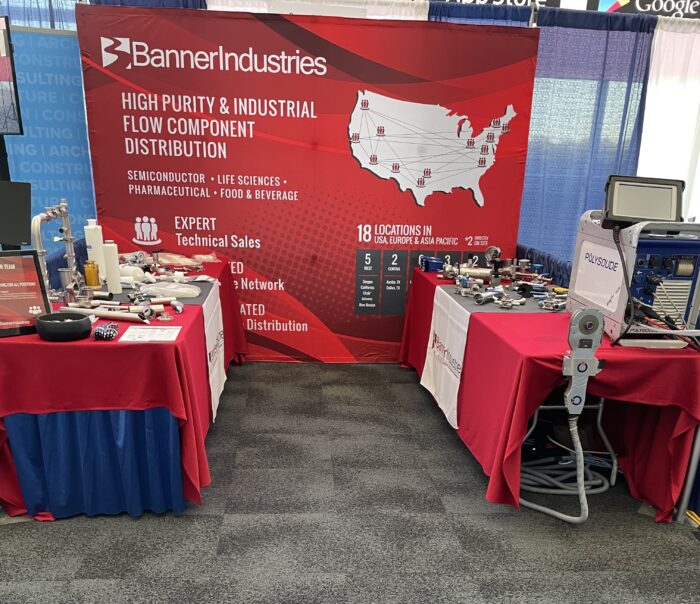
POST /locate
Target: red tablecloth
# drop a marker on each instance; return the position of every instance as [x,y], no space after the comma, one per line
[512,363]
[419,312]
[46,377]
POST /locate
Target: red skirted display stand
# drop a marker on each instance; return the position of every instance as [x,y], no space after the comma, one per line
[513,362]
[39,377]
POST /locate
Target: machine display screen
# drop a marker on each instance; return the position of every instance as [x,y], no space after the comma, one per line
[15,212]
[647,201]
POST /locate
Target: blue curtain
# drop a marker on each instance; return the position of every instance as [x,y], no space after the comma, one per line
[479,14]
[97,462]
[47,14]
[586,119]
[559,270]
[60,14]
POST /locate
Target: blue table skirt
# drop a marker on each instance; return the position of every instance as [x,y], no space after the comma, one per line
[97,462]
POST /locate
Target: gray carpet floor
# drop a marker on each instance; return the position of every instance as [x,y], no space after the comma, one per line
[345,484]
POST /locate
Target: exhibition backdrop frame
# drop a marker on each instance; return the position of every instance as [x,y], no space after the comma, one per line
[377,147]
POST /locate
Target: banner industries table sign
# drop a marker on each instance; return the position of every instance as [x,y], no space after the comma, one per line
[321,154]
[22,293]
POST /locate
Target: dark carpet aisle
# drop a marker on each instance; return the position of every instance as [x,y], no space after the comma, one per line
[345,484]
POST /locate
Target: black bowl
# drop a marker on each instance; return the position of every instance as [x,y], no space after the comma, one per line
[63,326]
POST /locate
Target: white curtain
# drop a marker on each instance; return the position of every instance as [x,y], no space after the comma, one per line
[247,6]
[671,134]
[408,10]
[364,9]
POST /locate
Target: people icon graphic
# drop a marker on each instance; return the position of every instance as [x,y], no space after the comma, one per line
[137,228]
[146,230]
[35,310]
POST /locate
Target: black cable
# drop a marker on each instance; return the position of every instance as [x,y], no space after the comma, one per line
[648,311]
[630,300]
[667,320]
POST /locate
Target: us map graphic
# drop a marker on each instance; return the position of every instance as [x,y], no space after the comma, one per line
[424,148]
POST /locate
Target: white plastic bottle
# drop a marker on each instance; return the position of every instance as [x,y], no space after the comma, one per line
[95,245]
[112,269]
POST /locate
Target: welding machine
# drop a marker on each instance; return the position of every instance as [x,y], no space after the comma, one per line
[638,263]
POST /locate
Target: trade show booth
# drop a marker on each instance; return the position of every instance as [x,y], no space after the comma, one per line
[496,199]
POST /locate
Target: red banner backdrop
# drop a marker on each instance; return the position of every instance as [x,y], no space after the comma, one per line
[322,155]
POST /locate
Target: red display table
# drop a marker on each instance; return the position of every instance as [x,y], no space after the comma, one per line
[512,362]
[39,377]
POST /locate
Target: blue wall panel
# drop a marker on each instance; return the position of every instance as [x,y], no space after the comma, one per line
[53,153]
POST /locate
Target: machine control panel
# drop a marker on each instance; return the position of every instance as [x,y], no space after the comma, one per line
[664,278]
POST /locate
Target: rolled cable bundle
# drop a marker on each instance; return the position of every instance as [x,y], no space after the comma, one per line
[549,477]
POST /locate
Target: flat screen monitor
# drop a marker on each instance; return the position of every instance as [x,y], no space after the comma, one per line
[10,117]
[15,213]
[632,199]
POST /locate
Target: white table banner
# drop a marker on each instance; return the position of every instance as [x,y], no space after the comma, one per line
[214,335]
[445,355]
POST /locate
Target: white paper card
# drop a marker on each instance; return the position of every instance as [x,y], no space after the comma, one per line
[150,334]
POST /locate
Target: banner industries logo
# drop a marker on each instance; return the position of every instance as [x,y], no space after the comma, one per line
[217,349]
[442,352]
[142,55]
[108,45]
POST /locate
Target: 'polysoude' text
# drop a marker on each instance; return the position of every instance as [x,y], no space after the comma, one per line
[602,262]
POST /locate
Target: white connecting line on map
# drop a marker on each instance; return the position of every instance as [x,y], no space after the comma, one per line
[424,148]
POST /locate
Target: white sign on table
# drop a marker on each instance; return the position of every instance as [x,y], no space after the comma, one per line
[150,334]
[443,362]
[214,334]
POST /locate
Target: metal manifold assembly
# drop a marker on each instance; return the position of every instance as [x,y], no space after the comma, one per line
[71,279]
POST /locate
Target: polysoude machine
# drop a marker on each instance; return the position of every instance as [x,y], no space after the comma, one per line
[638,248]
